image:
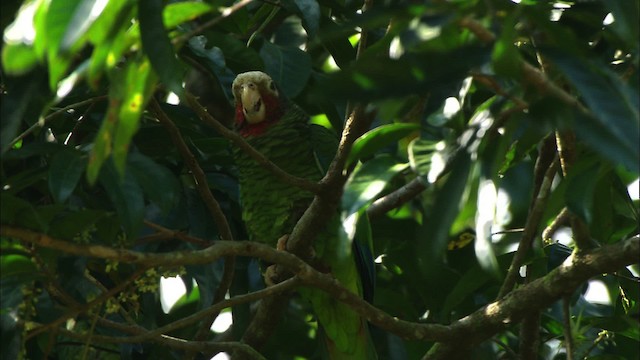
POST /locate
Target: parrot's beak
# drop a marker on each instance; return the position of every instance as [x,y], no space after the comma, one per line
[252,104]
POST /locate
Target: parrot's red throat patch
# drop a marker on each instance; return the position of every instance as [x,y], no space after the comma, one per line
[273,113]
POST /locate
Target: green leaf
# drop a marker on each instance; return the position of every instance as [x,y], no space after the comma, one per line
[157,46]
[505,57]
[86,12]
[157,182]
[177,13]
[25,98]
[18,59]
[435,233]
[289,67]
[309,12]
[64,173]
[581,185]
[17,266]
[139,85]
[368,181]
[110,37]
[57,22]
[613,125]
[130,90]
[421,152]
[126,195]
[626,21]
[378,138]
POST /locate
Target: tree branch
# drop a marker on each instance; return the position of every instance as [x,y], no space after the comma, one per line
[530,74]
[212,204]
[477,327]
[533,220]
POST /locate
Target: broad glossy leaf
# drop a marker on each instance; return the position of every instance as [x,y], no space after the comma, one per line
[157,182]
[368,181]
[379,78]
[177,13]
[626,20]
[157,46]
[435,234]
[18,59]
[289,67]
[126,196]
[505,57]
[64,173]
[581,183]
[86,12]
[309,11]
[378,138]
[612,128]
[58,20]
[421,152]
[25,99]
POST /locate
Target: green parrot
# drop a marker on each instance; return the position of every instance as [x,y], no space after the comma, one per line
[281,131]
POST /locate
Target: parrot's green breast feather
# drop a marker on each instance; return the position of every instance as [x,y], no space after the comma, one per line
[270,206]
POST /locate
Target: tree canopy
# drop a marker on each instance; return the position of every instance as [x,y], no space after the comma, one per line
[489,144]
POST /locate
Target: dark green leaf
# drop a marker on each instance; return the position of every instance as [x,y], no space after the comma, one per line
[612,127]
[581,183]
[64,173]
[157,46]
[157,182]
[126,195]
[435,235]
[289,67]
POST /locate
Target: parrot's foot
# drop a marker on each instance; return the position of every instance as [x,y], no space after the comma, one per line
[272,275]
[282,243]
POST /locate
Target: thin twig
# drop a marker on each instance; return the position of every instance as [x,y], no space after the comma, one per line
[86,307]
[530,74]
[200,178]
[566,327]
[560,220]
[40,123]
[566,142]
[533,220]
[214,209]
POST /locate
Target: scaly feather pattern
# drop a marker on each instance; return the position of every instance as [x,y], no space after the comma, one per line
[271,208]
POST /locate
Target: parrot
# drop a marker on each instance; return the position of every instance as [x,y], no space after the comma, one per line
[281,131]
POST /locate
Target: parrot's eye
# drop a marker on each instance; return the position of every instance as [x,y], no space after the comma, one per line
[272,86]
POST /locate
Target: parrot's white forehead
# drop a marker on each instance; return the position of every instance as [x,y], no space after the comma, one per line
[256,77]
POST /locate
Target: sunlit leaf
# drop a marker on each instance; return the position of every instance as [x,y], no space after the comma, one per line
[381,136]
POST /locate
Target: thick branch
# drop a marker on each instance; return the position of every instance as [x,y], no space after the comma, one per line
[477,327]
[238,141]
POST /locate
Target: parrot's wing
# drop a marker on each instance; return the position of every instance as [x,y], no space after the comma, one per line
[325,144]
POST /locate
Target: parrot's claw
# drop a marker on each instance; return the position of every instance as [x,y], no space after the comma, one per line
[271,276]
[282,243]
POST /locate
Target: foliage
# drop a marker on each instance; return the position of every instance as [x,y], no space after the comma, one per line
[463,103]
